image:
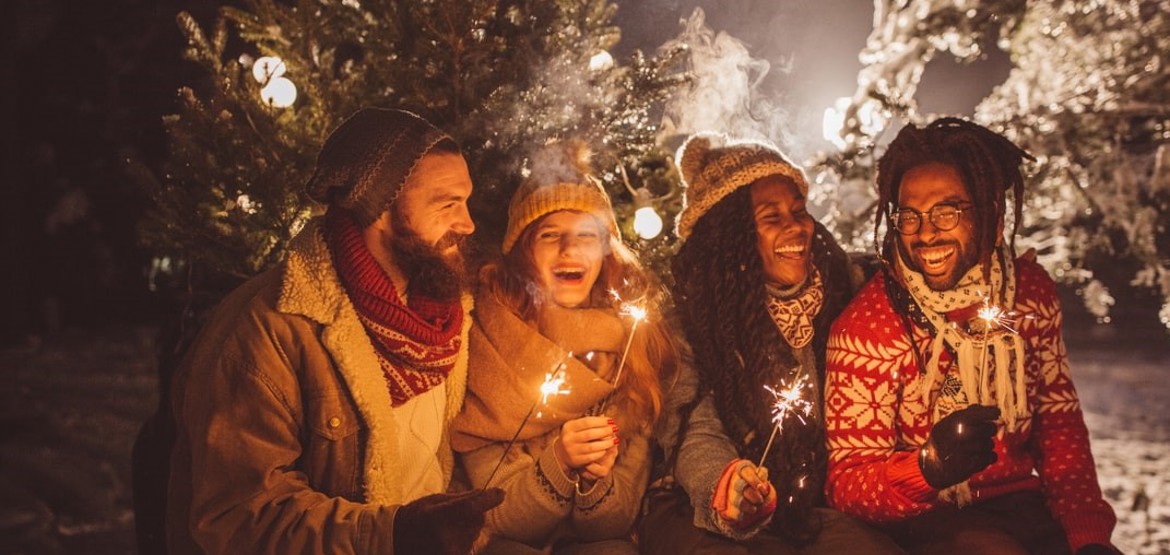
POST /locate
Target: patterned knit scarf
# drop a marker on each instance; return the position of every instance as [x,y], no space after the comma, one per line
[990,361]
[417,344]
[793,309]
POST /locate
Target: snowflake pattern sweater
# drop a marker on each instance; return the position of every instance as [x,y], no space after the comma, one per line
[878,416]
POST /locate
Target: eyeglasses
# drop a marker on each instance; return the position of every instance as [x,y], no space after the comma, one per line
[943,216]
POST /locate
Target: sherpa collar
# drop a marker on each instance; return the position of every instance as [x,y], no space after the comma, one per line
[310,288]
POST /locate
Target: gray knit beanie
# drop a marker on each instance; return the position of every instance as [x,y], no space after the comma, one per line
[366,160]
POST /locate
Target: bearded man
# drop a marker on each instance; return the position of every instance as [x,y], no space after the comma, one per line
[313,409]
[952,418]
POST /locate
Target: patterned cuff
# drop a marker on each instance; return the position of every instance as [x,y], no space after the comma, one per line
[552,479]
[586,501]
[726,529]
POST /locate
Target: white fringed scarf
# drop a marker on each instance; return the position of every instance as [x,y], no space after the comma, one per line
[990,358]
[995,348]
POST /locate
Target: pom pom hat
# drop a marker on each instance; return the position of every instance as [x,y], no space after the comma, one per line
[559,180]
[713,166]
[366,160]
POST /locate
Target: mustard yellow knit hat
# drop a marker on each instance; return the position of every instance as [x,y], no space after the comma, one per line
[559,179]
[713,166]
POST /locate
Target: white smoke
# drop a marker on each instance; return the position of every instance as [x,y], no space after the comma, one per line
[558,162]
[724,93]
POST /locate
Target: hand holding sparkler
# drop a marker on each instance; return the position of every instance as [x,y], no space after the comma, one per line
[743,496]
[959,445]
[554,384]
[588,445]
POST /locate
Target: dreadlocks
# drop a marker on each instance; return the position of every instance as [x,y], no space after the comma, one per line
[721,297]
[988,163]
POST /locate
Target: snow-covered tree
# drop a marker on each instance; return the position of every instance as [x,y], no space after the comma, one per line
[1088,95]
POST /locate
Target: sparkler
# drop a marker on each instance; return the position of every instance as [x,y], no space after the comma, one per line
[638,314]
[787,400]
[992,316]
[554,384]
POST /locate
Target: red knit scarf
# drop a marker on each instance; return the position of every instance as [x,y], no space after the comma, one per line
[417,344]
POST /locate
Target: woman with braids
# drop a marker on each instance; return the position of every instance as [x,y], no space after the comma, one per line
[757,283]
[579,466]
[958,431]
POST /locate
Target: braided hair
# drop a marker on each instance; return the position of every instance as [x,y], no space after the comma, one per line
[988,163]
[721,298]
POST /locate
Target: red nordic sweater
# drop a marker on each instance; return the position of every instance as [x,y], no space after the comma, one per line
[873,470]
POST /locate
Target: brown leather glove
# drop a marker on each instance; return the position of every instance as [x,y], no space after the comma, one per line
[443,523]
[960,445]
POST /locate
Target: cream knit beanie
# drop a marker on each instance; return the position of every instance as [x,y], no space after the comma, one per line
[559,180]
[713,166]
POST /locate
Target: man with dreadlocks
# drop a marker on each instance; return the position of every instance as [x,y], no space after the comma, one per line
[757,283]
[952,418]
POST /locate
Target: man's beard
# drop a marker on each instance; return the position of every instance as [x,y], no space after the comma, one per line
[431,272]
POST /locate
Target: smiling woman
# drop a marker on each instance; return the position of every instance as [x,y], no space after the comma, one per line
[757,284]
[551,305]
[784,229]
[567,250]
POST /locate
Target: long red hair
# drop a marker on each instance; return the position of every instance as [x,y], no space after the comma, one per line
[651,364]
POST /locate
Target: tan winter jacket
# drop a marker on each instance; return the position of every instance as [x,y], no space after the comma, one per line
[286,440]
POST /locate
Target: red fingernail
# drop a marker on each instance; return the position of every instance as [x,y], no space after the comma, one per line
[617,440]
[610,420]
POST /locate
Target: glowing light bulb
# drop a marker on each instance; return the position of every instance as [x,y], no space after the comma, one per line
[279,93]
[267,68]
[601,61]
[647,222]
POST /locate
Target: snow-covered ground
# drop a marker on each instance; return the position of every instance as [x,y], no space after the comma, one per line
[1124,393]
[71,405]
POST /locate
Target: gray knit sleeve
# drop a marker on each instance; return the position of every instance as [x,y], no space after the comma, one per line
[705,449]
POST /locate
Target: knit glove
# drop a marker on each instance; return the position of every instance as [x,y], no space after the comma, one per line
[959,445]
[444,523]
[1097,549]
[743,495]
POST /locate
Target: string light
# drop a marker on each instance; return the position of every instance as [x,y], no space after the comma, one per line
[266,68]
[601,61]
[647,222]
[276,90]
[279,93]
